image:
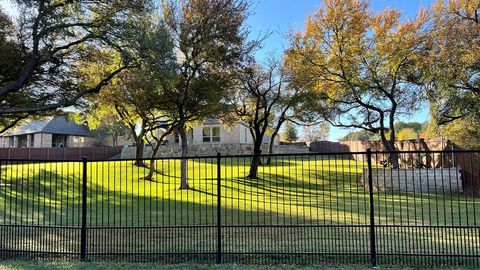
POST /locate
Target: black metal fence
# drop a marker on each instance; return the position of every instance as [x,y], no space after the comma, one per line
[302,208]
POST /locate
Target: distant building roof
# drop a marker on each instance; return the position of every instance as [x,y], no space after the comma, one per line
[54,125]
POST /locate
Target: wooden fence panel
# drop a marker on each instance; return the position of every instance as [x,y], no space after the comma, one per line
[469,163]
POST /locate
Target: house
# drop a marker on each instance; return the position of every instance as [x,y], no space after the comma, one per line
[212,131]
[211,138]
[55,131]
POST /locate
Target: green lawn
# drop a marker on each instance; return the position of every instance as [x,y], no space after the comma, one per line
[318,192]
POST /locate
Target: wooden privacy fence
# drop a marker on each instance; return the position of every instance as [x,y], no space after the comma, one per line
[468,163]
[65,153]
[362,146]
[424,159]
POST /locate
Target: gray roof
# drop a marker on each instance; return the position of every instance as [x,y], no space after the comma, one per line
[54,125]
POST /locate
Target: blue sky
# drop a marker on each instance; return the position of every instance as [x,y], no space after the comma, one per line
[279,16]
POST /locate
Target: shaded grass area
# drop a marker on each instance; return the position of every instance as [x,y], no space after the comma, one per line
[266,216]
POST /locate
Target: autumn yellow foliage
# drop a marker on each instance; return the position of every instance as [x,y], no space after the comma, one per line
[361,65]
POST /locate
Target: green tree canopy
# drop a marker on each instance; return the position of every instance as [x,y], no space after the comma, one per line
[139,95]
[210,40]
[261,92]
[290,133]
[360,135]
[453,61]
[415,126]
[50,41]
[361,66]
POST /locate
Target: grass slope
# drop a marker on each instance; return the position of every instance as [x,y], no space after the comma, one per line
[321,193]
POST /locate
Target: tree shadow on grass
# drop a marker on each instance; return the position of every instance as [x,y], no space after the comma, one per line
[138,219]
[121,223]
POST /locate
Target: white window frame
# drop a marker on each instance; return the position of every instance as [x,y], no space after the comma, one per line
[208,134]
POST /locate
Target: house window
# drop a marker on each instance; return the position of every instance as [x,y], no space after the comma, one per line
[215,134]
[59,140]
[206,134]
[22,141]
[211,134]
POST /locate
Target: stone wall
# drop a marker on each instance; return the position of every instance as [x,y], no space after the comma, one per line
[212,149]
[440,180]
[42,140]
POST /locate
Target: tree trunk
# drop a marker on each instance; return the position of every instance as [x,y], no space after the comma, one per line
[393,155]
[158,144]
[256,160]
[270,148]
[149,177]
[391,142]
[114,140]
[138,139]
[139,153]
[390,146]
[184,162]
[151,169]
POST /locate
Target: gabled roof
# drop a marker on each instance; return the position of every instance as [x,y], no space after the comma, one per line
[54,125]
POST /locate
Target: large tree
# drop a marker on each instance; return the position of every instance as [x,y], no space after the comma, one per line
[210,41]
[12,56]
[317,132]
[453,71]
[45,42]
[463,132]
[135,98]
[140,95]
[359,135]
[253,101]
[290,134]
[137,95]
[292,106]
[104,126]
[360,67]
[454,61]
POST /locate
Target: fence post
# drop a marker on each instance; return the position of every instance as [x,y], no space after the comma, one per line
[83,233]
[373,249]
[219,210]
